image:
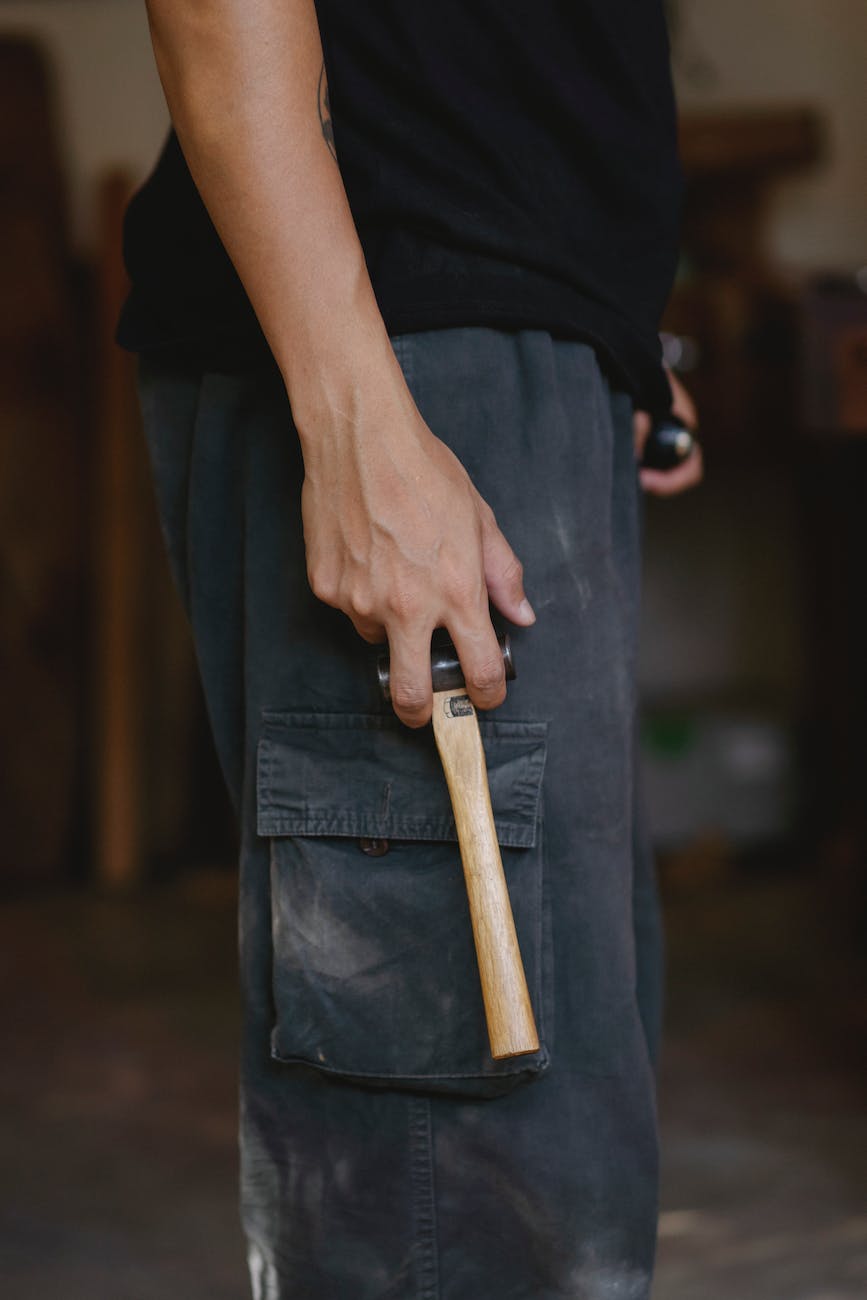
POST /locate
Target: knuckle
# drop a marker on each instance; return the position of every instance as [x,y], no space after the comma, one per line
[488,677]
[463,591]
[403,603]
[486,513]
[488,699]
[361,604]
[409,697]
[414,720]
[322,586]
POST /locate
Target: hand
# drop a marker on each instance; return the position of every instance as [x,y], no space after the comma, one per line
[668,482]
[398,538]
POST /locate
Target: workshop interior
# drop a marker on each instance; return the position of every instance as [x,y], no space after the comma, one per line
[117,874]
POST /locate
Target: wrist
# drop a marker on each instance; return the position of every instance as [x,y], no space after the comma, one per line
[335,355]
[349,386]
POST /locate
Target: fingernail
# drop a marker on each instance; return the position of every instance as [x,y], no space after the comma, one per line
[525,612]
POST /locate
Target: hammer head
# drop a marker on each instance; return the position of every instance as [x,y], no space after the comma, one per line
[446,673]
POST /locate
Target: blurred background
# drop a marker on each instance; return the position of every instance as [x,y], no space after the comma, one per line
[117,883]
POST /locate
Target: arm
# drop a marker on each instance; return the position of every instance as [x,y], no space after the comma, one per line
[396,534]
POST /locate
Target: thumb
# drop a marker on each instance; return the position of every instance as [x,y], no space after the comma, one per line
[504,575]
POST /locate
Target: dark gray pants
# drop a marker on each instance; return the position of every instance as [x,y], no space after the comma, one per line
[384,1156]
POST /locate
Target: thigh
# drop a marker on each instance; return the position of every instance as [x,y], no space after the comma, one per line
[550,447]
[353,1190]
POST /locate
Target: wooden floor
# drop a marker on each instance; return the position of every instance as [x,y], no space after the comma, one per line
[118,1107]
[763,1100]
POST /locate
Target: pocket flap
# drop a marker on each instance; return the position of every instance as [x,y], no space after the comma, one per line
[364,774]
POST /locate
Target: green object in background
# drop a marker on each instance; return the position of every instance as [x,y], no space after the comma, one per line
[726,771]
[669,737]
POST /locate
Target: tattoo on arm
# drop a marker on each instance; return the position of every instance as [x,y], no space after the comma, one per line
[325,113]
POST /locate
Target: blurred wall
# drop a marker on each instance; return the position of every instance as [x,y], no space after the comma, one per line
[731,51]
[812,51]
[110,103]
[723,592]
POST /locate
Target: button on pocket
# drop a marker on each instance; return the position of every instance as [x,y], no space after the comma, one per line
[374,969]
[374,848]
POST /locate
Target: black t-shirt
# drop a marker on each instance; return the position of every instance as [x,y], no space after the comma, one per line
[507,163]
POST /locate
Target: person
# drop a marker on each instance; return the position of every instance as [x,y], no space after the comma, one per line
[396,284]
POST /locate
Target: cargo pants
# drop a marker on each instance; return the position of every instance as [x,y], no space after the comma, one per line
[385,1156]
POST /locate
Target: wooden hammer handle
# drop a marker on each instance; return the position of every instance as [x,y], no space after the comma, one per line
[511,1027]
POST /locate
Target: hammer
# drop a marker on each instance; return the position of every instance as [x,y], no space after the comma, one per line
[509,1015]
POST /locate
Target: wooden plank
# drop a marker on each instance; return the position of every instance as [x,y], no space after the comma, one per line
[117,578]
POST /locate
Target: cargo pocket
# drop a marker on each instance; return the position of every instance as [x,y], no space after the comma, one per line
[374,969]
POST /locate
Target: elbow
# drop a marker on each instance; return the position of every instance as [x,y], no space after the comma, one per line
[191,41]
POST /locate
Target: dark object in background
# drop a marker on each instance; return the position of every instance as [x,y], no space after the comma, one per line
[668,444]
[106,765]
[834,371]
[42,473]
[832,491]
[731,309]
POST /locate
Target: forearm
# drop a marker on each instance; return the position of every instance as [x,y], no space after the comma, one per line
[395,533]
[242,82]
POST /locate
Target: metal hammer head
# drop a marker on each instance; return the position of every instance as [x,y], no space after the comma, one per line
[446,673]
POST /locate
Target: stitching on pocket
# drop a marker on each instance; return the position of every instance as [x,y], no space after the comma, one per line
[306,787]
[397,1076]
[318,823]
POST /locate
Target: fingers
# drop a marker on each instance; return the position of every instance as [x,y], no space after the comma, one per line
[467,618]
[481,662]
[410,672]
[465,613]
[504,573]
[668,482]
